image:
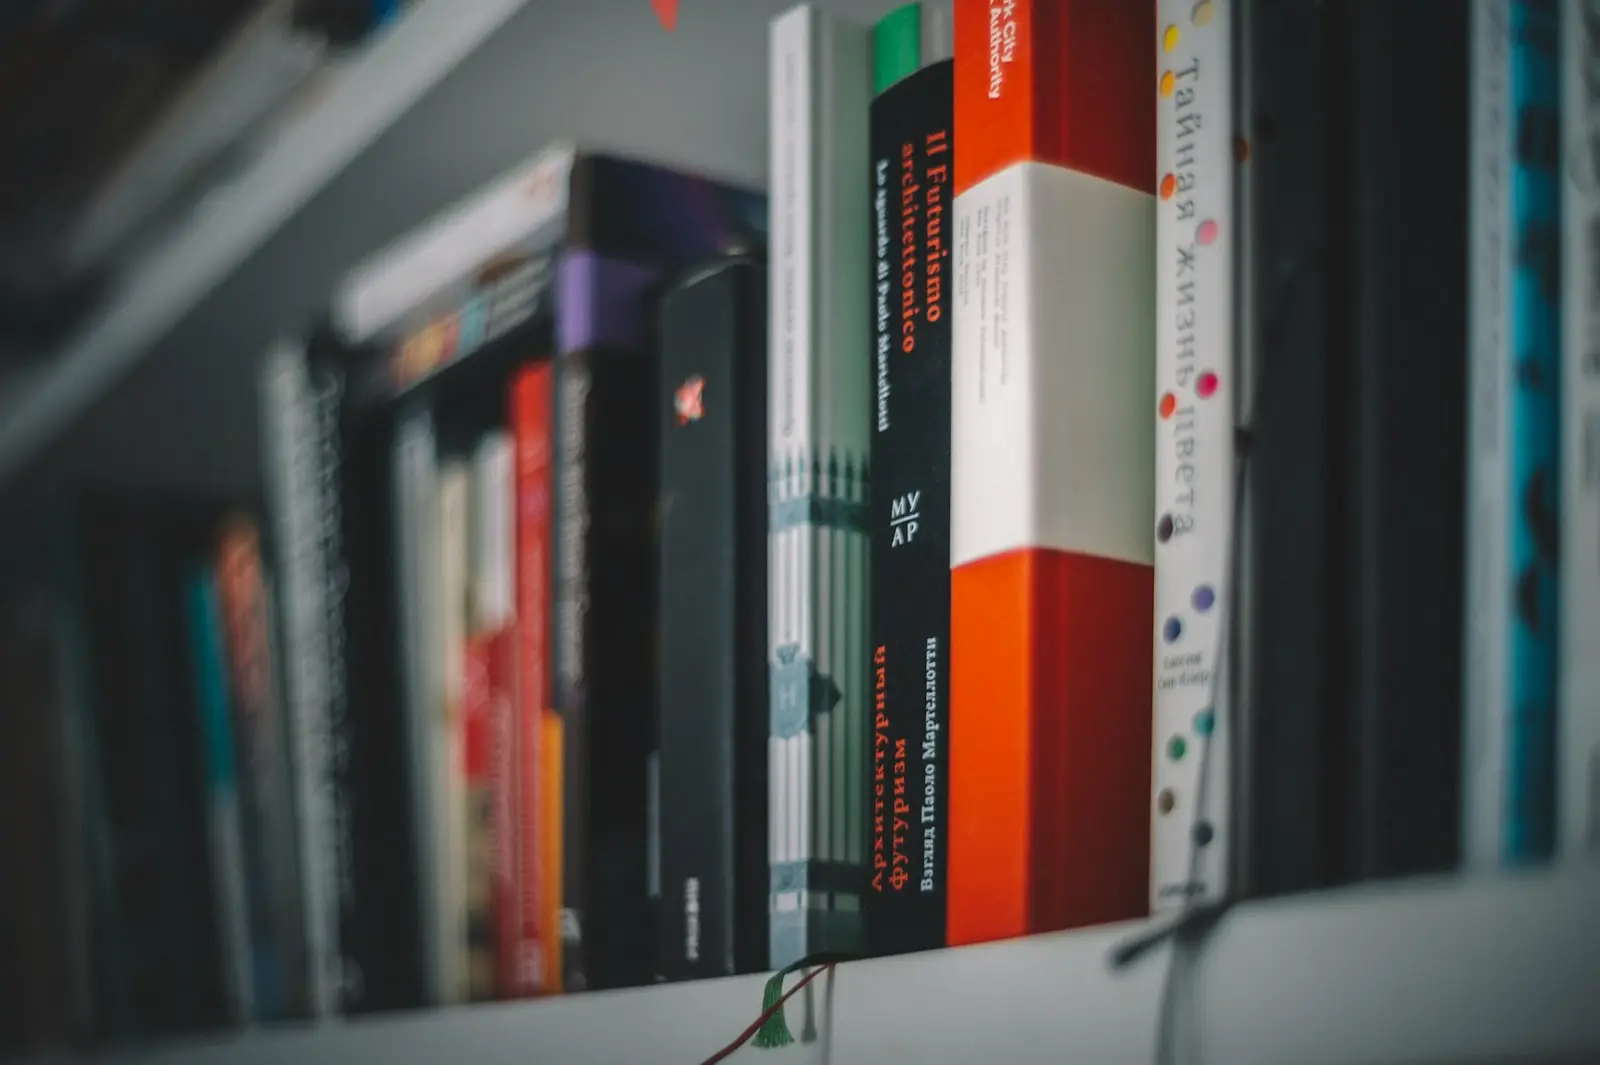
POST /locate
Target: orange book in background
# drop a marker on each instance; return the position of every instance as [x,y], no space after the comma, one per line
[1052,538]
[531,897]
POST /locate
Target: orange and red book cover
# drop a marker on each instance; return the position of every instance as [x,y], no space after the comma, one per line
[531,881]
[1052,540]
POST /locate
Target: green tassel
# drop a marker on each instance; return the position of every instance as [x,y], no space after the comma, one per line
[775,1032]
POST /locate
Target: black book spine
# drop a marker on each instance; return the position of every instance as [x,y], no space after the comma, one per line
[711,405]
[324,405]
[1403,326]
[1351,629]
[372,855]
[1287,749]
[912,189]
[386,905]
[604,657]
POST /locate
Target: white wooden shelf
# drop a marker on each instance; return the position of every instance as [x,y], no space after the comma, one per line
[397,68]
[1429,972]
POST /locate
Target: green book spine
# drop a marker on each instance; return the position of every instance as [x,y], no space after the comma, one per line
[896,46]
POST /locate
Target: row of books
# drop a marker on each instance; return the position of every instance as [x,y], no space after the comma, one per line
[1079,488]
[149,811]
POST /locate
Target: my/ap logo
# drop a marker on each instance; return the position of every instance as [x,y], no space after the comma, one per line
[904,518]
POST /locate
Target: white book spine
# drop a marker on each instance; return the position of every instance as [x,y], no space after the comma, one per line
[292,469]
[418,578]
[1485,702]
[493,533]
[818,468]
[1578,744]
[527,205]
[1051,379]
[1194,404]
[448,756]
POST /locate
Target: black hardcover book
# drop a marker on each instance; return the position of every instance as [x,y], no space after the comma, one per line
[712,760]
[1354,319]
[158,948]
[912,189]
[379,903]
[603,648]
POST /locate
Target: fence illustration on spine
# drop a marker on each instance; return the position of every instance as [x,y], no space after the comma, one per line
[817,565]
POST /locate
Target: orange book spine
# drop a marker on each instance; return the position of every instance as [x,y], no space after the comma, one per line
[532,960]
[1052,541]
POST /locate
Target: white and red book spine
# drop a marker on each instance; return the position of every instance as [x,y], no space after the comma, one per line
[1194,491]
[1052,464]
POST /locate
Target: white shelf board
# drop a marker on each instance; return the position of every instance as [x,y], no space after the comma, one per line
[1426,972]
[401,64]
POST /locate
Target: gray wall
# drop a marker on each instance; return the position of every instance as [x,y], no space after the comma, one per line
[600,72]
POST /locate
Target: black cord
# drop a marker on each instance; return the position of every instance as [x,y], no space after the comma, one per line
[1188,931]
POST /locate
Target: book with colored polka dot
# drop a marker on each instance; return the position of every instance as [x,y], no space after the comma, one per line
[1052,466]
[1194,489]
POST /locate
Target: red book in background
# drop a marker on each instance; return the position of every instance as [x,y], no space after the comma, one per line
[531,960]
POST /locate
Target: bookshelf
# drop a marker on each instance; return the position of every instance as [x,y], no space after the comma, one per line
[159,387]
[1444,971]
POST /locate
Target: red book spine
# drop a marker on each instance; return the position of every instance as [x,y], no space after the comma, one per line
[531,963]
[1052,536]
[480,696]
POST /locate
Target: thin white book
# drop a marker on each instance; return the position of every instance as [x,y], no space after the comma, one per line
[1578,742]
[819,433]
[1486,683]
[419,585]
[1194,419]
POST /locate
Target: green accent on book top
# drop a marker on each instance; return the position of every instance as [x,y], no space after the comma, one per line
[896,46]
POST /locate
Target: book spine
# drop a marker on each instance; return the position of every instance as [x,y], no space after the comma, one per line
[818,473]
[1194,499]
[84,835]
[605,642]
[417,583]
[896,46]
[488,723]
[1053,466]
[1579,743]
[224,834]
[530,886]
[268,819]
[568,651]
[301,424]
[1486,683]
[1509,803]
[1535,429]
[909,630]
[447,732]
[711,683]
